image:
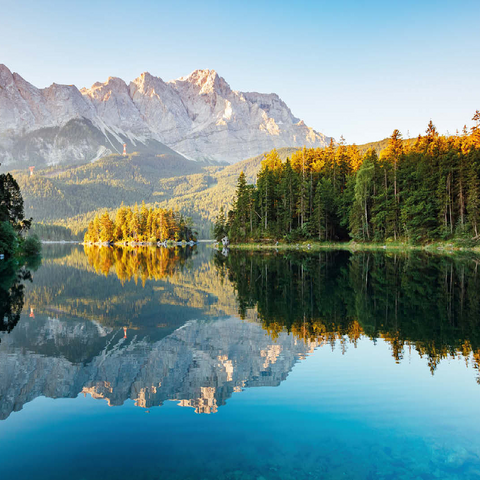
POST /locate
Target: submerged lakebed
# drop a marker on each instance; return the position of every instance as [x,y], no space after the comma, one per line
[185,363]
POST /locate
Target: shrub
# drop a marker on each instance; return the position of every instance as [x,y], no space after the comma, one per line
[32,246]
[8,239]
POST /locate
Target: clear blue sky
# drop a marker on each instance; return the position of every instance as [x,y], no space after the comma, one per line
[357,68]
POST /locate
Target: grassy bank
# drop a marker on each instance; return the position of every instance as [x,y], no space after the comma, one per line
[441,247]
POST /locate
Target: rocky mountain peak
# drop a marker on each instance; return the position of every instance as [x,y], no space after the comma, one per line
[200,76]
[198,116]
[5,74]
[103,91]
[147,84]
[146,77]
[204,82]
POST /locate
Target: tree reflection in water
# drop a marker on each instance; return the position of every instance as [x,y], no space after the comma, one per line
[411,300]
[144,263]
[12,290]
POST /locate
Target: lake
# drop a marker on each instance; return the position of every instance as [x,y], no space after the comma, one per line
[187,363]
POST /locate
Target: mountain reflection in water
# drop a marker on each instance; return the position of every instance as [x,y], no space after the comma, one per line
[201,364]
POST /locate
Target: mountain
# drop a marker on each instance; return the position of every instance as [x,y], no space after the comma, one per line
[198,117]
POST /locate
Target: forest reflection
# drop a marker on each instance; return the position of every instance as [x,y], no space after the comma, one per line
[411,300]
[139,263]
[12,290]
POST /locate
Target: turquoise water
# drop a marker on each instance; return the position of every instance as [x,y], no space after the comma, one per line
[157,376]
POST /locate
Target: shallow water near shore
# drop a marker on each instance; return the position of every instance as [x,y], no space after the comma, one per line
[184,363]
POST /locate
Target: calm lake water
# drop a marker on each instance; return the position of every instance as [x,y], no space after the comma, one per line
[188,364]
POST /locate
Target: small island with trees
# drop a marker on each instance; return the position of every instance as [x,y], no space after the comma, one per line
[140,226]
[414,192]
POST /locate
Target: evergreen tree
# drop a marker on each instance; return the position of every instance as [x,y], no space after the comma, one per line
[361,216]
[287,194]
[135,224]
[425,191]
[107,228]
[11,204]
[324,210]
[473,201]
[394,153]
[241,208]
[220,229]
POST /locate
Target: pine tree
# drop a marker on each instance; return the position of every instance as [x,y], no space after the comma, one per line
[11,204]
[288,190]
[120,223]
[361,221]
[143,219]
[473,201]
[161,225]
[107,228]
[242,205]
[393,153]
[272,161]
[135,224]
[96,229]
[219,229]
[324,210]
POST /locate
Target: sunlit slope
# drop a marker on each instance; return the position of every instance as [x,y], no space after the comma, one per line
[381,145]
[71,196]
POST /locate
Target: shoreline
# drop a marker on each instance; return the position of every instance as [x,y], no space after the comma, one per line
[121,244]
[439,247]
[61,241]
[165,244]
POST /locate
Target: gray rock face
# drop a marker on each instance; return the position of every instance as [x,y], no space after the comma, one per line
[198,116]
[200,365]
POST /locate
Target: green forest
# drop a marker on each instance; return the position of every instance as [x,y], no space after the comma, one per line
[413,191]
[13,225]
[140,225]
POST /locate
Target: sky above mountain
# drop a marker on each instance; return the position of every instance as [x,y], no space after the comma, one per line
[357,69]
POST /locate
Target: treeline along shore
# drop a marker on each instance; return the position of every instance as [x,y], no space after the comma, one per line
[413,192]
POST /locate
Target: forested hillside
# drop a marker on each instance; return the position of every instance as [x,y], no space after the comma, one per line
[63,200]
[414,192]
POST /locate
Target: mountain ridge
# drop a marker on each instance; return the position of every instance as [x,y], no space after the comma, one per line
[198,116]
